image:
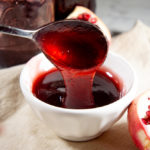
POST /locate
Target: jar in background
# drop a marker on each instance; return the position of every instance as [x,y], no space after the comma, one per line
[24,14]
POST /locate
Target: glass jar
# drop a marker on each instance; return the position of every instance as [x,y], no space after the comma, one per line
[25,14]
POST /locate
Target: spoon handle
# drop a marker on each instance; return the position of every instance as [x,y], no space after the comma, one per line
[17,32]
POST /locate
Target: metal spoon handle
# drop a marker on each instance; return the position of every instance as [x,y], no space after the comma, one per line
[17,32]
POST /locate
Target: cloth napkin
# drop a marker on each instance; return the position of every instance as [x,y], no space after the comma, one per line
[20,129]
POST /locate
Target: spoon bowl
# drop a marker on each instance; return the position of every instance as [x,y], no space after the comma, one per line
[67,43]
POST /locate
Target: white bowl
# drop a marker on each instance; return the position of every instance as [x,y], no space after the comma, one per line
[79,124]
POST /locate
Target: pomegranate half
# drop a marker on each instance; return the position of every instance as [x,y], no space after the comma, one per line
[86,14]
[139,121]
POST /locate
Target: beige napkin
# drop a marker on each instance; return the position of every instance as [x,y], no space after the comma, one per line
[20,129]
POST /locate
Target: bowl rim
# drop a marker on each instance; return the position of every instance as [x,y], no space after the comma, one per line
[130,94]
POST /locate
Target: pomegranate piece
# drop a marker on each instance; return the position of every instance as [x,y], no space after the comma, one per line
[85,14]
[64,7]
[139,121]
[148,114]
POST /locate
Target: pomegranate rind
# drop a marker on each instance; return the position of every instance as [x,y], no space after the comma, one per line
[139,132]
[78,10]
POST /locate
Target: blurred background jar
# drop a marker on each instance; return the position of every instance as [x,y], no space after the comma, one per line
[25,14]
[30,14]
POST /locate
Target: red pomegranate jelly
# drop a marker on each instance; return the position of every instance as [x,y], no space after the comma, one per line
[73,44]
[77,48]
[50,88]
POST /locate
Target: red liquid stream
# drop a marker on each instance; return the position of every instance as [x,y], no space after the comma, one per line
[79,89]
[76,48]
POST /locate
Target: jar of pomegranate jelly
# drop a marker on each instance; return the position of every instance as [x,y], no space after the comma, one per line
[25,14]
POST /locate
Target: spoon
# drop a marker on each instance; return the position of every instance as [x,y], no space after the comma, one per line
[63,42]
[72,46]
[29,34]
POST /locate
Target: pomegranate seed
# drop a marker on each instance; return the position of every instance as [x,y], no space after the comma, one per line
[93,20]
[80,17]
[148,113]
[86,16]
[144,121]
[148,98]
[148,106]
[148,120]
